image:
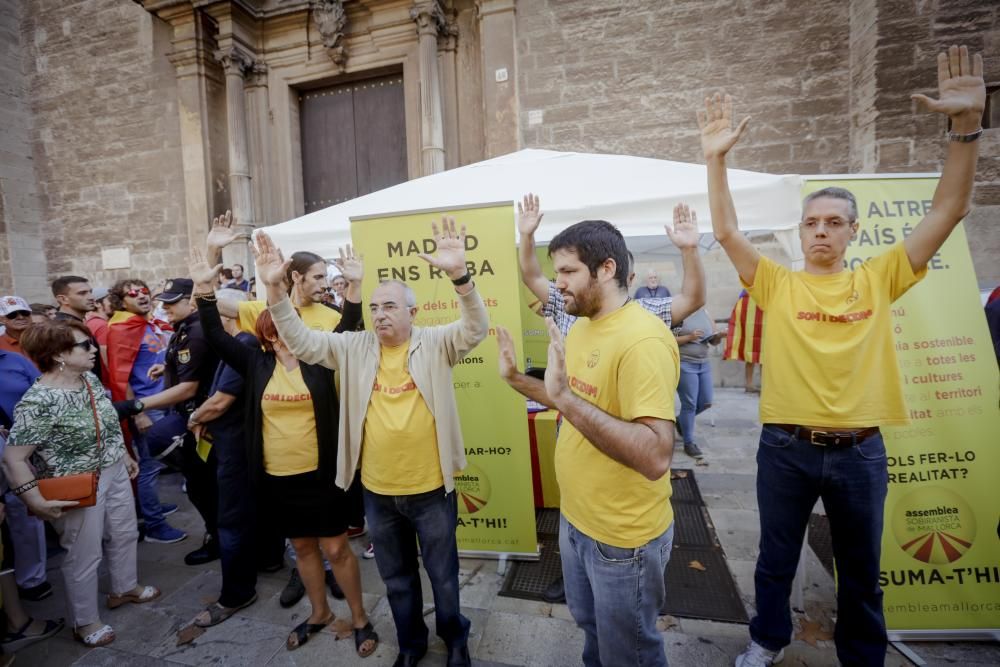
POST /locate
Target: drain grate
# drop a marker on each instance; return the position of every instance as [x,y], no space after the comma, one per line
[529,579]
[710,594]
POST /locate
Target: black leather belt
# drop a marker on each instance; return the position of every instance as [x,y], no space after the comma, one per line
[824,438]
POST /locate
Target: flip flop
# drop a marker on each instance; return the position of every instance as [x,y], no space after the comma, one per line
[217,613]
[361,635]
[304,630]
[100,637]
[147,594]
[16,640]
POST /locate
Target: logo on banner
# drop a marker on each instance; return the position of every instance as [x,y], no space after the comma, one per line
[473,489]
[934,525]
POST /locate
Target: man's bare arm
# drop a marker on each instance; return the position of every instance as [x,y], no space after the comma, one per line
[526,385]
[529,216]
[962,96]
[717,137]
[685,236]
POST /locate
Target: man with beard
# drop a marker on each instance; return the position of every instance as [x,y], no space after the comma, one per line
[613,380]
[136,352]
[189,367]
[76,299]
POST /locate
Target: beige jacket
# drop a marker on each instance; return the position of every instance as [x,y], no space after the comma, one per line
[433,353]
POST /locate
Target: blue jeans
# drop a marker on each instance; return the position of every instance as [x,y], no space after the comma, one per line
[695,390]
[149,471]
[396,523]
[615,596]
[238,548]
[852,481]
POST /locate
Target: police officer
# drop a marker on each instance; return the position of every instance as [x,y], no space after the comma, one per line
[188,372]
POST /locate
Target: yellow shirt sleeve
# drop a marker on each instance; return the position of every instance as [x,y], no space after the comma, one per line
[647,380]
[894,270]
[768,274]
[248,313]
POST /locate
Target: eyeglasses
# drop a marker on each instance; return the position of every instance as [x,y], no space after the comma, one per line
[17,314]
[388,308]
[85,345]
[134,292]
[834,224]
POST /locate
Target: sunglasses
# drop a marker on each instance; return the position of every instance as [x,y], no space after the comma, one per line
[20,313]
[136,292]
[85,345]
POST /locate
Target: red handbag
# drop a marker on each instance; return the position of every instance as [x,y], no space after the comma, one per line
[81,487]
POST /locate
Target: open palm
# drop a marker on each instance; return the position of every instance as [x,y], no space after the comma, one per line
[685,230]
[529,215]
[201,272]
[718,135]
[349,265]
[271,263]
[223,231]
[961,88]
[450,255]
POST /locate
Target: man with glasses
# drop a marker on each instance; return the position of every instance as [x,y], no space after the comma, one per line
[832,379]
[16,315]
[399,422]
[137,349]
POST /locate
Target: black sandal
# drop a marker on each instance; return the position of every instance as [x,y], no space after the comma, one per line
[361,635]
[304,630]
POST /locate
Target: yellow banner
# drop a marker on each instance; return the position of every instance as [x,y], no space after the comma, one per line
[940,548]
[495,502]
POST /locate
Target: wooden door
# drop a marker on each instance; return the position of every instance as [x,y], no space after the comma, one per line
[353,140]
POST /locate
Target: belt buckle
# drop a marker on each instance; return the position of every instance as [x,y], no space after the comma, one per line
[812,438]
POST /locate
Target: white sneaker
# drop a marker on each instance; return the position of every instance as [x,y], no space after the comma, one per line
[758,656]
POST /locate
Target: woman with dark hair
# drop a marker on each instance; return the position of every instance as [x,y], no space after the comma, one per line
[66,425]
[291,411]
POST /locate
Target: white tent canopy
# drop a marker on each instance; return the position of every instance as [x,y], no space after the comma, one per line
[636,194]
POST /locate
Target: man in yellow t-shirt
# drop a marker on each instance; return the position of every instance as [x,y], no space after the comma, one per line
[613,380]
[831,379]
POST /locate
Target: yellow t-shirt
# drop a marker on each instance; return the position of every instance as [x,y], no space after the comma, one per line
[831,360]
[627,364]
[291,446]
[399,454]
[315,316]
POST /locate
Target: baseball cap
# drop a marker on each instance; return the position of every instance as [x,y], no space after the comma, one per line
[176,289]
[100,293]
[13,304]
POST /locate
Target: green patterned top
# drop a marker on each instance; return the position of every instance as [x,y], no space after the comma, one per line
[60,425]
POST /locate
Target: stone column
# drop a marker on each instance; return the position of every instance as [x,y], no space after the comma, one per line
[447,47]
[497,37]
[259,143]
[429,19]
[236,63]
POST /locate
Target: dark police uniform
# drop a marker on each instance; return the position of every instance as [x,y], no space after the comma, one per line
[190,359]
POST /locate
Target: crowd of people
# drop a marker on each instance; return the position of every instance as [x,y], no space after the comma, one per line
[292,422]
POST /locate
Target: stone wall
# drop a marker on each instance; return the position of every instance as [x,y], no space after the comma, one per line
[827,85]
[105,138]
[22,260]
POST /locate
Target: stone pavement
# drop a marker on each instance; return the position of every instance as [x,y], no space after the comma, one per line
[505,631]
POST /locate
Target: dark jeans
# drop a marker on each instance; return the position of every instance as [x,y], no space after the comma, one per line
[852,481]
[396,522]
[236,524]
[202,489]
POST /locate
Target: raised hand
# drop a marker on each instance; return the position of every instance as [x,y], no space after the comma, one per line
[556,382]
[223,231]
[961,89]
[685,231]
[529,215]
[507,355]
[203,275]
[450,256]
[271,264]
[350,266]
[716,123]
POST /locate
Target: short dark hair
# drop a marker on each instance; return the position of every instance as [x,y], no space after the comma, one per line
[835,193]
[239,265]
[301,261]
[227,274]
[594,242]
[40,308]
[61,284]
[117,291]
[44,340]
